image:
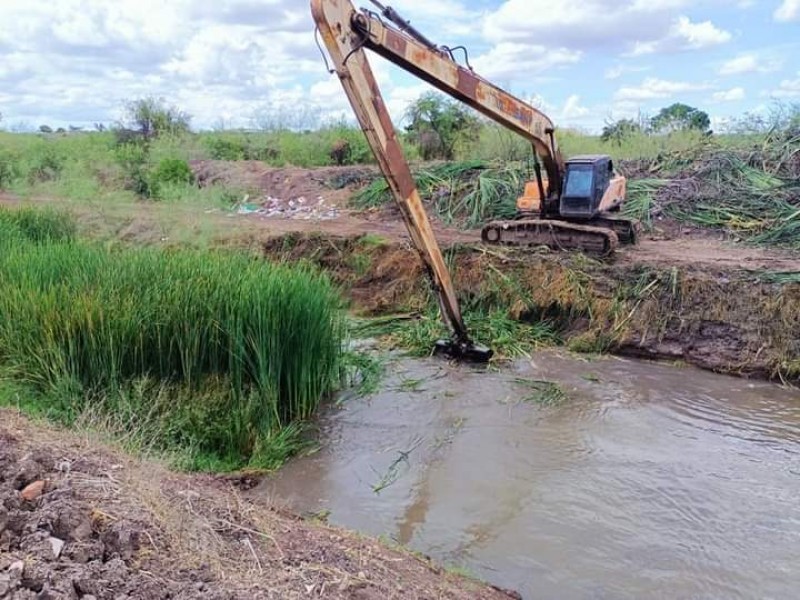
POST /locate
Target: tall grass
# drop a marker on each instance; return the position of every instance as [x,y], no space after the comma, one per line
[213,354]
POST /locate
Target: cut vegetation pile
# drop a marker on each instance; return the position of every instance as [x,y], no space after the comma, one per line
[213,356]
[467,194]
[751,191]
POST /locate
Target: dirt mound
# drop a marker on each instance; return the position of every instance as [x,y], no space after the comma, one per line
[82,521]
[334,184]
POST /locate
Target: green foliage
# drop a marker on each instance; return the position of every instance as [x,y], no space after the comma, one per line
[508,337]
[678,117]
[211,355]
[133,160]
[545,393]
[619,131]
[8,169]
[437,124]
[172,170]
[39,226]
[152,117]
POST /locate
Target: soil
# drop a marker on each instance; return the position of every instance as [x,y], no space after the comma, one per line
[79,519]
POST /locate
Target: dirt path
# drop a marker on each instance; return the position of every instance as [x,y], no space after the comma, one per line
[315,200]
[80,520]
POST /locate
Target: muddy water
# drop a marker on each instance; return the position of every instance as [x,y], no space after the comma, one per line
[647,481]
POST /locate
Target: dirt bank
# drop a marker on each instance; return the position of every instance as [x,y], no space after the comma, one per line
[79,520]
[719,316]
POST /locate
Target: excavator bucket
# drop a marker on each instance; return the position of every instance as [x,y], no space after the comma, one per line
[463,351]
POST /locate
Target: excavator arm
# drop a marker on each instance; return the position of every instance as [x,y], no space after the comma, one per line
[346,33]
[572,215]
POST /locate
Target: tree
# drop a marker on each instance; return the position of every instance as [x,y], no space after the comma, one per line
[151,117]
[619,131]
[678,117]
[437,125]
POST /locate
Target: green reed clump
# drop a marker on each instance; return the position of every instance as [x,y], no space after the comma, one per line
[214,354]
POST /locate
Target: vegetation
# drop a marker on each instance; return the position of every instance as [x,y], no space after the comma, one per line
[217,357]
[436,125]
[679,117]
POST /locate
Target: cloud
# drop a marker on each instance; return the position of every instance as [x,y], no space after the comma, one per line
[789,10]
[514,60]
[638,26]
[619,70]
[573,110]
[653,88]
[684,35]
[730,95]
[748,63]
[788,88]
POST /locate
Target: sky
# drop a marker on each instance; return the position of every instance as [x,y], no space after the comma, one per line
[238,63]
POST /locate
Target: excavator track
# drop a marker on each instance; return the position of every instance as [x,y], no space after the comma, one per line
[559,235]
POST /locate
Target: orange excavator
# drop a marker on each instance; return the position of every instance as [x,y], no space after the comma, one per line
[569,205]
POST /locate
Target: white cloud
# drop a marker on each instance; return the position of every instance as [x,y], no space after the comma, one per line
[700,35]
[789,10]
[748,63]
[619,70]
[653,88]
[513,59]
[638,26]
[684,35]
[730,95]
[573,110]
[788,88]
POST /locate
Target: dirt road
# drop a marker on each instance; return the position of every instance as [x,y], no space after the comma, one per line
[316,201]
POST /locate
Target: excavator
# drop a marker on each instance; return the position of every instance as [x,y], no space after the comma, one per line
[569,205]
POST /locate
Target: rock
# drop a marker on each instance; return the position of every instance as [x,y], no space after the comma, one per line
[28,470]
[33,491]
[17,568]
[5,585]
[57,545]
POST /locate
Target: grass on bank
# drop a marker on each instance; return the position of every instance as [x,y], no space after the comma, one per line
[214,356]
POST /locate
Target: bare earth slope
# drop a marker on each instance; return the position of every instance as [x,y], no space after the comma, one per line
[80,520]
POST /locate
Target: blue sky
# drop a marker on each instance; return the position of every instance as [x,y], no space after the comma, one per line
[236,62]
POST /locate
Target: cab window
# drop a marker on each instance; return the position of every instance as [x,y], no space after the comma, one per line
[579,183]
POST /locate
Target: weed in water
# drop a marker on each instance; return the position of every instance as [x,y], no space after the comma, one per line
[545,393]
[363,372]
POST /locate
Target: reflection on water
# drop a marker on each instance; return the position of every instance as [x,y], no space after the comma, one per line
[649,481]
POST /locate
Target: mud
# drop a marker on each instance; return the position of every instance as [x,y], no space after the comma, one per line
[104,526]
[638,480]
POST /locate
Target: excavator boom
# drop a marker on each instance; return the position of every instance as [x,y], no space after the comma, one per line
[569,206]
[338,23]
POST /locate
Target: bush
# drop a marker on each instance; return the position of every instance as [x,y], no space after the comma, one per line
[132,158]
[213,355]
[172,170]
[8,169]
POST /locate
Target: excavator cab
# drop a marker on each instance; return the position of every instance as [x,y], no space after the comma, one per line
[586,181]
